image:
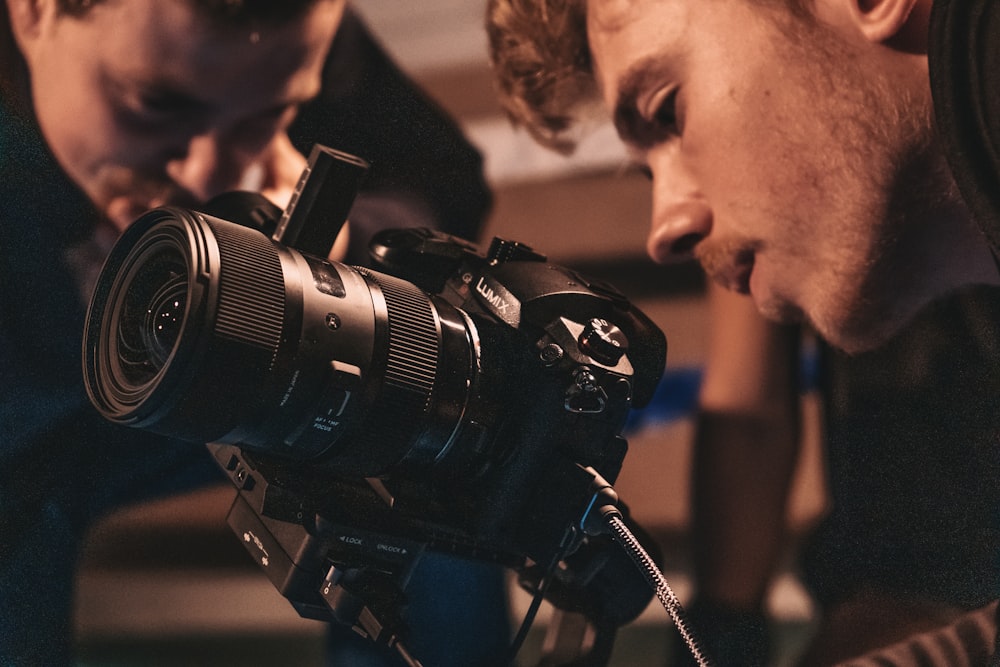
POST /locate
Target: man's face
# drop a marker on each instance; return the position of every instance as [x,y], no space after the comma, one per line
[791,165]
[145,103]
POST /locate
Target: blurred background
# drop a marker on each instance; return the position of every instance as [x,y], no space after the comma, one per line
[167,583]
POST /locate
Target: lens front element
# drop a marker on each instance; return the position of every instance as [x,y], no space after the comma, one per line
[152,315]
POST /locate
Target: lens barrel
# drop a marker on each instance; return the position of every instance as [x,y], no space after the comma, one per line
[209,331]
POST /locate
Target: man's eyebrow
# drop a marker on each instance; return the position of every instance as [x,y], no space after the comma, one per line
[628,122]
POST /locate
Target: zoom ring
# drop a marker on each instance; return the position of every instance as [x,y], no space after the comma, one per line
[411,366]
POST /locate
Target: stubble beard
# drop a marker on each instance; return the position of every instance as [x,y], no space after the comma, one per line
[885,176]
[904,191]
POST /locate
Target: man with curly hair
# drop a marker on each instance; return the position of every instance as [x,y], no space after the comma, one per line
[791,151]
[831,159]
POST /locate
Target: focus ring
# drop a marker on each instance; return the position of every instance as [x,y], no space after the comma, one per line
[251,289]
[410,371]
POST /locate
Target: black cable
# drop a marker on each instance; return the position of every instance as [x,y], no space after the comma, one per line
[539,595]
[529,619]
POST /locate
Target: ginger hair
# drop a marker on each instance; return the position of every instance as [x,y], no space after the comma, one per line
[543,72]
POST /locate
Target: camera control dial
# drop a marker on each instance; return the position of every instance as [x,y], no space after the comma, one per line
[603,341]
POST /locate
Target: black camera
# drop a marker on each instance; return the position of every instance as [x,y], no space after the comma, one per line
[450,401]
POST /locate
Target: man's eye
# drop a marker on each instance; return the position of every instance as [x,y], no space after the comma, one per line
[157,103]
[665,116]
[165,104]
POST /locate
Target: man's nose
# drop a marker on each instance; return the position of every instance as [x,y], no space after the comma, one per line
[681,216]
[208,167]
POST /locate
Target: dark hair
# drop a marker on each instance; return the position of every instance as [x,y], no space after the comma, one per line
[234,12]
[10,64]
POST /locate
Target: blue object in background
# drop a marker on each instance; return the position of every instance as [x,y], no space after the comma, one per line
[676,396]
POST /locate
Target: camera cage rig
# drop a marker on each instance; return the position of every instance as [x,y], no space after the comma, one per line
[340,545]
[355,574]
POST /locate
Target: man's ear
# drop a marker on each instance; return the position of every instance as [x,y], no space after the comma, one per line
[27,18]
[902,24]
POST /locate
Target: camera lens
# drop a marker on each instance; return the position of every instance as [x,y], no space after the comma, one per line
[163,320]
[207,330]
[142,302]
[152,315]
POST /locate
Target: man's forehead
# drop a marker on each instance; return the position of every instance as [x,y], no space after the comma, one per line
[636,26]
[628,37]
[178,47]
[613,15]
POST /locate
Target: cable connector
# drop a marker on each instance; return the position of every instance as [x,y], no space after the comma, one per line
[603,505]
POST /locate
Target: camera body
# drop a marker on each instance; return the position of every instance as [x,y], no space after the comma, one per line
[554,381]
[445,400]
